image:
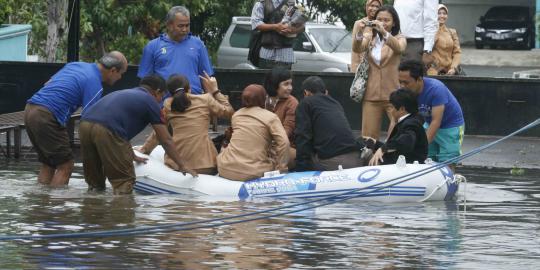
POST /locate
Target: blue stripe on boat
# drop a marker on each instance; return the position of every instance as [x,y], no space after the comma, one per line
[153,189]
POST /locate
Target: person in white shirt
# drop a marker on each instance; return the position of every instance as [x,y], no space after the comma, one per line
[419,25]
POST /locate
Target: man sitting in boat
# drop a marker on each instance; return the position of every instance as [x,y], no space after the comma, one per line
[324,139]
[259,142]
[278,86]
[107,127]
[408,137]
[188,117]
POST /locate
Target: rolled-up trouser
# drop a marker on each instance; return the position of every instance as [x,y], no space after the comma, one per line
[106,155]
[49,138]
[372,113]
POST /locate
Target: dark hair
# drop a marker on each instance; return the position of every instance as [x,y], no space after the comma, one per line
[178,86]
[274,78]
[253,95]
[414,67]
[314,84]
[154,82]
[395,17]
[404,98]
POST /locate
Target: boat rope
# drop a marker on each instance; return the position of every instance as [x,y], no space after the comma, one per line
[305,205]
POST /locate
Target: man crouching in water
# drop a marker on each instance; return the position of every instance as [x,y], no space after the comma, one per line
[108,126]
[324,139]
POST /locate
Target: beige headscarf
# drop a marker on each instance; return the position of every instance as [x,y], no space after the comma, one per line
[443,7]
[368,2]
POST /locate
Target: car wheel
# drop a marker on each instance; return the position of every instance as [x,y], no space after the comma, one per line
[479,45]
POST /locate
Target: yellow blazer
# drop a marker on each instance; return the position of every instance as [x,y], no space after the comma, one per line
[383,77]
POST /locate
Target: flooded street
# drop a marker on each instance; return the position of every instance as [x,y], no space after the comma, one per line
[497,227]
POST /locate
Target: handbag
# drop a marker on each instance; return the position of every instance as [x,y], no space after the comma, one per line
[255,44]
[359,84]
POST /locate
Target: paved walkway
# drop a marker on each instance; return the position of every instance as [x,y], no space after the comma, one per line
[487,57]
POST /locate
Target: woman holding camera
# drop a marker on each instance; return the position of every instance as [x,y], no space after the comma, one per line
[384,44]
[371,8]
[446,51]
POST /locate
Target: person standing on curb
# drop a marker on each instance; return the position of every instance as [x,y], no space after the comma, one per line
[177,52]
[419,25]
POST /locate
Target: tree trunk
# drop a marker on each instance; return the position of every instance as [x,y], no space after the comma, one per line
[56,24]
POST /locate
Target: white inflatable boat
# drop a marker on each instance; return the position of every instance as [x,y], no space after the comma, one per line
[155,177]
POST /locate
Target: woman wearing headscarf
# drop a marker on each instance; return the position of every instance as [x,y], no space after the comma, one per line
[371,8]
[278,86]
[188,117]
[259,142]
[384,45]
[446,51]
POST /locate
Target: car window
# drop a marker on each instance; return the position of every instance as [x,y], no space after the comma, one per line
[506,14]
[332,39]
[240,36]
[301,38]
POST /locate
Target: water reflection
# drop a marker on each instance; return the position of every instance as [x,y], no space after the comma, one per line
[502,215]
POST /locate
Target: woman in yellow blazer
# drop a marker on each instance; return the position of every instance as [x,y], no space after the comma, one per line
[384,45]
[446,51]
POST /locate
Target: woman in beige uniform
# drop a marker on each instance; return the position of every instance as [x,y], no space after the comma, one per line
[447,50]
[259,142]
[188,116]
[384,45]
[371,8]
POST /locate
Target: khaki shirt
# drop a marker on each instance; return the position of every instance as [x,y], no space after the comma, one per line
[256,134]
[383,77]
[447,50]
[190,130]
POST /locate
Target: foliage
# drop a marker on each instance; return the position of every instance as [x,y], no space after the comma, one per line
[33,13]
[346,10]
[5,10]
[127,25]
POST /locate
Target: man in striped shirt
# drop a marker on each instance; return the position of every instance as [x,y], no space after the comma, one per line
[267,16]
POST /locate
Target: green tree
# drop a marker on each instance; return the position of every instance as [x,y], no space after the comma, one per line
[127,25]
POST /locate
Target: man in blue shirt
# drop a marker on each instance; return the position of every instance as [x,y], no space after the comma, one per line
[444,119]
[108,126]
[177,51]
[48,111]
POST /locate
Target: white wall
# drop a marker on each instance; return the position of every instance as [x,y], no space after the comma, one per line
[464,15]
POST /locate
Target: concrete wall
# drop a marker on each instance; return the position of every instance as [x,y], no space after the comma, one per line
[491,106]
[464,15]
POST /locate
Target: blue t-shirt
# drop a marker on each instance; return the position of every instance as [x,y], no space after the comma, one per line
[125,112]
[435,93]
[76,84]
[165,57]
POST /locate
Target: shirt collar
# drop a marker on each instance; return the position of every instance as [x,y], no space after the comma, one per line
[403,117]
[165,37]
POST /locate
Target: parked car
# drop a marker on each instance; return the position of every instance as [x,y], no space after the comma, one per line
[322,47]
[509,26]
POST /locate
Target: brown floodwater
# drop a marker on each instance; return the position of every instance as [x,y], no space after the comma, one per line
[497,227]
